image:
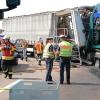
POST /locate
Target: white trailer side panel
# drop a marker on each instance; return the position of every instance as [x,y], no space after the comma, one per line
[30,27]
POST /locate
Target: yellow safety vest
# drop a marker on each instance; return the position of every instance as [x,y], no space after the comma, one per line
[65,49]
[46,53]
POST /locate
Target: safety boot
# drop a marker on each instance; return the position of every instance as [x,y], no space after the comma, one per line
[10,76]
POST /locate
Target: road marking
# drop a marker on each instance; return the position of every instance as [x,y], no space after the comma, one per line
[8,87]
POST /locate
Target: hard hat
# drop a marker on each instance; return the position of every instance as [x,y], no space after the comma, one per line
[39,39]
[6,37]
[62,36]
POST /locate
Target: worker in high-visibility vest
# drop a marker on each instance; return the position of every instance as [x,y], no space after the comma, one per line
[48,54]
[65,53]
[7,49]
[39,46]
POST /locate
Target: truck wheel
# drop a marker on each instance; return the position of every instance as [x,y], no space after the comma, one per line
[22,58]
[91,57]
[32,54]
[83,52]
[26,58]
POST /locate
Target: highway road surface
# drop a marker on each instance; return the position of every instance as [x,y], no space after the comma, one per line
[85,84]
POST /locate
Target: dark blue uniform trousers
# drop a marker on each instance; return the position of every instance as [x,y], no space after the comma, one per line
[49,66]
[65,63]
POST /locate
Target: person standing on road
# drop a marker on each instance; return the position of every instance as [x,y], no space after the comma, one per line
[39,50]
[24,45]
[48,54]
[65,53]
[7,49]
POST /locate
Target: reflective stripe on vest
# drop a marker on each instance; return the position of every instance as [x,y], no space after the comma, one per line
[7,57]
[65,49]
[46,53]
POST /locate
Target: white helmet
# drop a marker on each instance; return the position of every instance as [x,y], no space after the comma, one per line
[6,37]
[40,39]
[62,36]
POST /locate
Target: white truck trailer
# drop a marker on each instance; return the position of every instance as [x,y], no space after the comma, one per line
[30,27]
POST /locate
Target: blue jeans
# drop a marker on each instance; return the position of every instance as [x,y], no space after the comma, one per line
[65,63]
[49,66]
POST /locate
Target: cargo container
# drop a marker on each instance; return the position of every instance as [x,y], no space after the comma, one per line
[30,27]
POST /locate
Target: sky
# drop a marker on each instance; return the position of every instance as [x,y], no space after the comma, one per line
[37,6]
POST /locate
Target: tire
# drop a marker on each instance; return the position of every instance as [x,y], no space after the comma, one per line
[83,52]
[88,55]
[91,57]
[32,54]
[26,58]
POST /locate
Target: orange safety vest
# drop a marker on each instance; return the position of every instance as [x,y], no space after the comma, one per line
[7,54]
[39,47]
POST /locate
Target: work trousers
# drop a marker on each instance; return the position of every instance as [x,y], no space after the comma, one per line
[49,66]
[65,63]
[25,53]
[39,58]
[7,67]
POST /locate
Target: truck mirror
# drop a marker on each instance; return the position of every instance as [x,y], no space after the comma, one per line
[12,3]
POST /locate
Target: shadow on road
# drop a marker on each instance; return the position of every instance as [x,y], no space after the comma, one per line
[73,83]
[95,71]
[23,68]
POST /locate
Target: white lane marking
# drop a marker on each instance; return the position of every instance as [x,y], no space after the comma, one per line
[9,86]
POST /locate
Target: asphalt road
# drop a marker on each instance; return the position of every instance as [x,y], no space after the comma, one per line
[85,85]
